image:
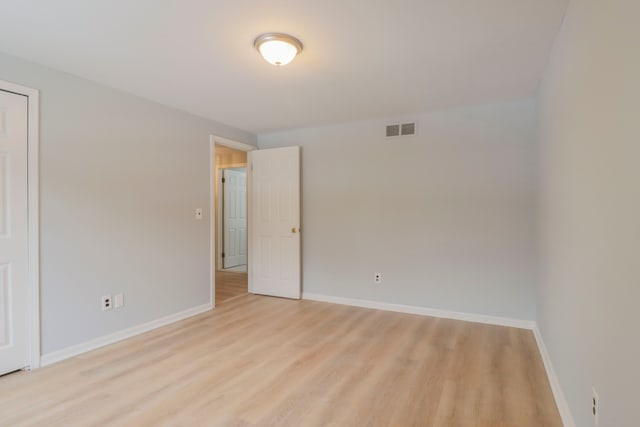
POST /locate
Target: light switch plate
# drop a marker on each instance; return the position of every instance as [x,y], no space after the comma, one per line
[199,213]
[119,300]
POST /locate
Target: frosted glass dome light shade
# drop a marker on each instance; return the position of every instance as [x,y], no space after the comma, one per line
[278,49]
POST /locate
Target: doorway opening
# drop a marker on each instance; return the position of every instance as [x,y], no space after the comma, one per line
[272,213]
[231,224]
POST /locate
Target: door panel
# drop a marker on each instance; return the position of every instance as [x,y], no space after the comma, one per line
[275,222]
[235,217]
[13,232]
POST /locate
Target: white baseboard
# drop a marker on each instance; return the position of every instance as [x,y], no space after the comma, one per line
[424,311]
[74,350]
[561,401]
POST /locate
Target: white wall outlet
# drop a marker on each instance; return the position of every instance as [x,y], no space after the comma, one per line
[118,300]
[595,406]
[199,213]
[106,302]
[377,278]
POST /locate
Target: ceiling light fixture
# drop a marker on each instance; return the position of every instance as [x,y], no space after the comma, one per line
[277,48]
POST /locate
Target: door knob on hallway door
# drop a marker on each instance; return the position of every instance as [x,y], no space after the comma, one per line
[293,230]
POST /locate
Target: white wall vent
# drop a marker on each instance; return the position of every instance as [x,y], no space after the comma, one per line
[404,129]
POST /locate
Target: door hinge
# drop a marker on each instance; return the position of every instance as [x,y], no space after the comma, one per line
[222,254]
[223,180]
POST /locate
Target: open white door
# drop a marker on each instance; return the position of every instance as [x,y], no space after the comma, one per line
[275,222]
[14,309]
[234,183]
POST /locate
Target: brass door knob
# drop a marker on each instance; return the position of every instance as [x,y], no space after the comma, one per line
[293,230]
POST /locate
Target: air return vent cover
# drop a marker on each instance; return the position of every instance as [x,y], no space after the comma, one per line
[393,130]
[407,129]
[404,129]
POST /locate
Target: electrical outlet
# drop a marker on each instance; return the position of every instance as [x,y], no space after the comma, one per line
[377,278]
[595,405]
[106,302]
[118,300]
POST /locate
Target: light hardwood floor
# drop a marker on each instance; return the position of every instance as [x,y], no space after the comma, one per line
[230,284]
[259,361]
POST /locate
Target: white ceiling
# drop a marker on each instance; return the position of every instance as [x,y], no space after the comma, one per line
[362,58]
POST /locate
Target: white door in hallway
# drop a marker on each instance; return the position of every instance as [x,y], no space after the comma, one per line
[234,185]
[14,329]
[275,222]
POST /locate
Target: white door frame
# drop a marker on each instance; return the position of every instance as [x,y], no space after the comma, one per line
[213,140]
[33,212]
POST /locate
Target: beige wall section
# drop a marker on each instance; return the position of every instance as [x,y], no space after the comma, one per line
[229,157]
[589,125]
[225,158]
[446,216]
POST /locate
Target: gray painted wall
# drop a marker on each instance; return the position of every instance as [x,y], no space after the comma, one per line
[590,209]
[119,179]
[446,216]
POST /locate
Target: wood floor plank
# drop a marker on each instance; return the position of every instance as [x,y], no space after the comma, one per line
[260,361]
[230,284]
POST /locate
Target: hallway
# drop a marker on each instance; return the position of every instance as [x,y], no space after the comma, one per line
[230,284]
